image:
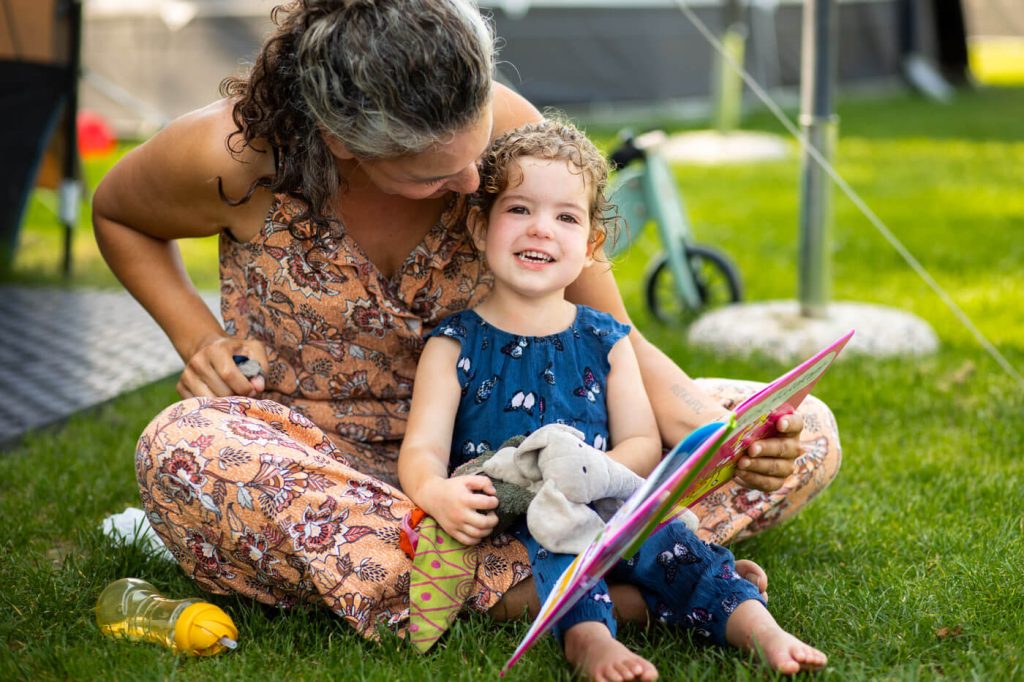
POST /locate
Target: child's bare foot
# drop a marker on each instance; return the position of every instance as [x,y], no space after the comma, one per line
[747,569]
[752,628]
[787,654]
[598,656]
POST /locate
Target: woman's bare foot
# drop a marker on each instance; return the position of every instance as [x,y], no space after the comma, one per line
[598,656]
[745,568]
[752,628]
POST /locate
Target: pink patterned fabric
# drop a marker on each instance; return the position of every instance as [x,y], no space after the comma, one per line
[289,500]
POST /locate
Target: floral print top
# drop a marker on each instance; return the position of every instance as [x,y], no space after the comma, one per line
[343,339]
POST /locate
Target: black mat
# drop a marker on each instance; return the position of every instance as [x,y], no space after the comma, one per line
[62,351]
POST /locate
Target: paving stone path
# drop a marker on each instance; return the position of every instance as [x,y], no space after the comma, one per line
[63,350]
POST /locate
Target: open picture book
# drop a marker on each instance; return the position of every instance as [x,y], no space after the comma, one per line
[699,464]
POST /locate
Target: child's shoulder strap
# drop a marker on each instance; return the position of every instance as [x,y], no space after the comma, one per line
[600,325]
[455,326]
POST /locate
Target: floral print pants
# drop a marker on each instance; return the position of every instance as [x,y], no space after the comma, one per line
[253,498]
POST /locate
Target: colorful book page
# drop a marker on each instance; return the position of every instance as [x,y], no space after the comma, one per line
[756,418]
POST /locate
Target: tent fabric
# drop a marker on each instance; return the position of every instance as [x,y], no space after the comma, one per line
[31,100]
[556,52]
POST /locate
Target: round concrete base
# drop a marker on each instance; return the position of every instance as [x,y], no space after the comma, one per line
[776,329]
[713,147]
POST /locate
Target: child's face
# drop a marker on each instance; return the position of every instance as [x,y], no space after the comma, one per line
[537,238]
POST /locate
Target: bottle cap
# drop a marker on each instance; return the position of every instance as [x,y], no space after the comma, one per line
[203,629]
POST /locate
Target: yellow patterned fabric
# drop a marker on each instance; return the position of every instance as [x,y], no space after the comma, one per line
[440,582]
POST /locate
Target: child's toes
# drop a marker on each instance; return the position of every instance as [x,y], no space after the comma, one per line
[637,669]
[814,658]
[627,669]
[650,673]
[784,660]
[788,666]
[611,673]
[808,658]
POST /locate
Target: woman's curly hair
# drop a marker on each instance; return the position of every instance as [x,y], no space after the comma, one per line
[550,139]
[387,78]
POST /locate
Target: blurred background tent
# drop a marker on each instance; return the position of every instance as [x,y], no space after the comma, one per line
[39,52]
[150,60]
[145,62]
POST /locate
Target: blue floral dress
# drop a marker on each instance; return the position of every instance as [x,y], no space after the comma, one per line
[512,385]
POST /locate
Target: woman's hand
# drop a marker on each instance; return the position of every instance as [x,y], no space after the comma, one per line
[463,506]
[211,370]
[770,461]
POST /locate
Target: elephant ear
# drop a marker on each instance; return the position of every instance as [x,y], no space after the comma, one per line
[579,470]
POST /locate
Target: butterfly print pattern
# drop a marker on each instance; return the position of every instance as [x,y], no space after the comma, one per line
[590,388]
[515,347]
[548,375]
[510,381]
[671,560]
[485,389]
[525,402]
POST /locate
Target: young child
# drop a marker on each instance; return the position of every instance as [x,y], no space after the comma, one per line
[526,357]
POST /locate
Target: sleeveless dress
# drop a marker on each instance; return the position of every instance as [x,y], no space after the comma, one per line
[512,384]
[290,498]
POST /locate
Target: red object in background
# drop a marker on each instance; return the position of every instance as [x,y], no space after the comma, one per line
[95,137]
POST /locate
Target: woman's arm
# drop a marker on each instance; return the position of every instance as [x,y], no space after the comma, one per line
[633,431]
[459,504]
[679,404]
[166,189]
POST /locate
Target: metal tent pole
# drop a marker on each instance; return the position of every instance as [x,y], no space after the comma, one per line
[819,126]
[70,185]
[727,87]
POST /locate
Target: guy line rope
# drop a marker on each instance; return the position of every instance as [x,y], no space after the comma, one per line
[840,182]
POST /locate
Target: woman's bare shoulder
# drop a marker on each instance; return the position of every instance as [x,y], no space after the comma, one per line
[203,147]
[511,110]
[169,186]
[235,163]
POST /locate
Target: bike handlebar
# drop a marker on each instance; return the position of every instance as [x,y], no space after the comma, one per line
[626,153]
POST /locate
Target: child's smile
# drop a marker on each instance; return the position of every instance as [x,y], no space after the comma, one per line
[534,258]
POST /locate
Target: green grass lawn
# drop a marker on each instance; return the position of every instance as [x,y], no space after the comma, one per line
[907,568]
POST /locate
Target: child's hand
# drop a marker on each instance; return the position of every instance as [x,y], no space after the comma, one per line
[462,505]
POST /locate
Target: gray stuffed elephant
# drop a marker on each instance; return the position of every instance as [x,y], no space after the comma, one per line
[565,475]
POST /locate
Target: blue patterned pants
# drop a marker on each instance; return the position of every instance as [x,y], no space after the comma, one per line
[684,581]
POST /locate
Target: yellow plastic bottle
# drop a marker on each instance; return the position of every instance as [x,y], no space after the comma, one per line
[133,609]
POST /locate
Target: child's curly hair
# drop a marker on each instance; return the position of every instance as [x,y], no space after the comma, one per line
[548,140]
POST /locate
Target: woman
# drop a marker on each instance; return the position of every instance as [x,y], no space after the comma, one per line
[334,174]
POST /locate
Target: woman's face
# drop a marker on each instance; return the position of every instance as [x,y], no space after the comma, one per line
[447,167]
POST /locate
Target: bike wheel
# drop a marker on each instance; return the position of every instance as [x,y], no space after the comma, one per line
[717,279]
